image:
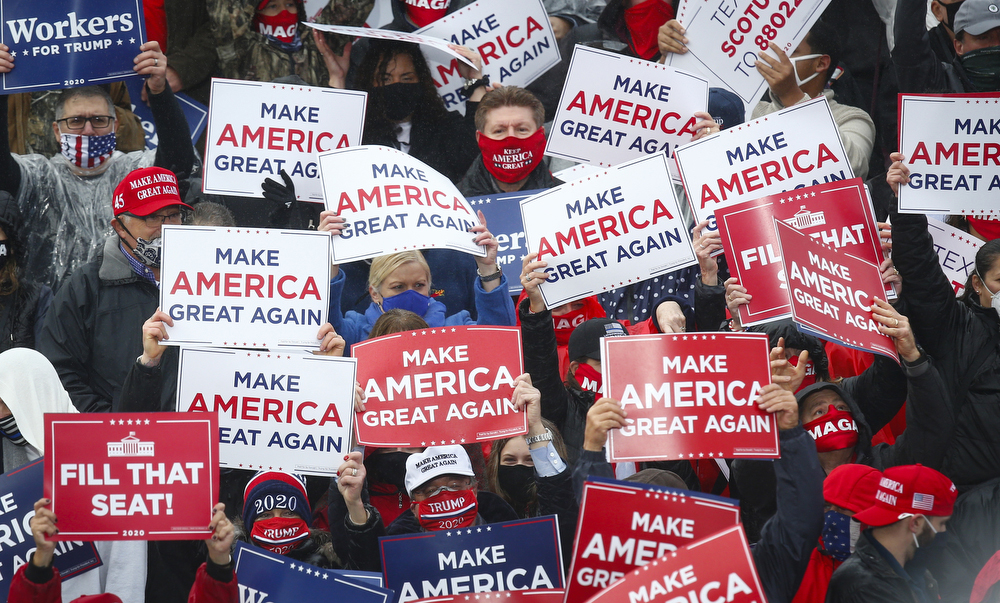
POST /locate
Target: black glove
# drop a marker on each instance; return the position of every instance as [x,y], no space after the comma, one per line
[289,213]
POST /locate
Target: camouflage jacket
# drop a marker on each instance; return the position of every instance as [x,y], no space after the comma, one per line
[247,55]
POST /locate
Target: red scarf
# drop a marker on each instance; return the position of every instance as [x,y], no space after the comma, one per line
[643,22]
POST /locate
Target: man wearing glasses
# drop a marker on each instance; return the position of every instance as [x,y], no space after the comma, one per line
[87,334]
[63,199]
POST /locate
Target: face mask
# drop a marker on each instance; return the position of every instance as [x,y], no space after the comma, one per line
[835,430]
[407,300]
[447,510]
[279,534]
[643,22]
[511,159]
[518,482]
[5,252]
[282,26]
[147,252]
[87,152]
[425,12]
[10,430]
[589,378]
[837,536]
[952,10]
[933,540]
[564,324]
[994,297]
[388,468]
[399,100]
[795,68]
[983,68]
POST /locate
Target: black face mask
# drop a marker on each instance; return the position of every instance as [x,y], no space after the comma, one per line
[518,481]
[983,68]
[399,100]
[952,10]
[388,468]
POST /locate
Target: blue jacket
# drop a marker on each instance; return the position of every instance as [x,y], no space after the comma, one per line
[493,308]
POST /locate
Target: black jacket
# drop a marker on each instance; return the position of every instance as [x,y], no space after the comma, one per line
[448,145]
[964,344]
[93,331]
[918,69]
[478,181]
[866,577]
[22,314]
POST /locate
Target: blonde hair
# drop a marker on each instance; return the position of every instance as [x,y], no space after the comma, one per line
[384,265]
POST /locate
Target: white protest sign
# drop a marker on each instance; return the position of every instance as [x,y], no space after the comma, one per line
[621,226]
[513,37]
[244,287]
[287,411]
[614,108]
[956,251]
[257,129]
[796,147]
[725,38]
[437,44]
[393,202]
[952,147]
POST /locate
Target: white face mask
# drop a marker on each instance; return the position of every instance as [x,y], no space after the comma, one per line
[994,297]
[795,67]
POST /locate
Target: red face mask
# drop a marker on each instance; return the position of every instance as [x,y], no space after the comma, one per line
[643,22]
[589,378]
[448,510]
[425,12]
[810,377]
[835,430]
[279,534]
[281,26]
[565,323]
[511,159]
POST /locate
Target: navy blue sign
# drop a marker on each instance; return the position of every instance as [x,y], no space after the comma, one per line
[264,577]
[514,555]
[19,489]
[503,216]
[67,43]
[195,113]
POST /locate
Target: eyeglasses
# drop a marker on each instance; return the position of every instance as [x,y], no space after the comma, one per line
[425,492]
[79,122]
[160,219]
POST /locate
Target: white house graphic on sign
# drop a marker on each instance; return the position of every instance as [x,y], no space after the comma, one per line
[804,219]
[130,446]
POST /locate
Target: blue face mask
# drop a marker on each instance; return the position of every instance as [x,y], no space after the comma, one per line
[837,537]
[410,299]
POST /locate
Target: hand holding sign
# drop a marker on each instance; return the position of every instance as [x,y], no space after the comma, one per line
[6,59]
[781,403]
[43,525]
[897,326]
[153,64]
[606,414]
[222,536]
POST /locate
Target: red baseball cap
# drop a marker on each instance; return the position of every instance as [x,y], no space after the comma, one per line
[852,486]
[145,191]
[909,490]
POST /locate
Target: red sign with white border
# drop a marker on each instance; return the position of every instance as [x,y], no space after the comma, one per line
[718,568]
[830,292]
[838,213]
[443,385]
[689,396]
[132,476]
[610,543]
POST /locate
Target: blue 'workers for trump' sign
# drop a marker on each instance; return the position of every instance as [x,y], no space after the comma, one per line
[265,577]
[513,555]
[503,215]
[19,489]
[66,43]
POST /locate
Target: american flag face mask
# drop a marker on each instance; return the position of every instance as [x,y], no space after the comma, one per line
[88,151]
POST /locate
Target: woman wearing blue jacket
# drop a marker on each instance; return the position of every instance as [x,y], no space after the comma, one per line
[403,280]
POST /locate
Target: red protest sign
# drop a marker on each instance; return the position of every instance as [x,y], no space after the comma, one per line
[718,568]
[610,543]
[832,292]
[132,476]
[447,385]
[839,214]
[699,389]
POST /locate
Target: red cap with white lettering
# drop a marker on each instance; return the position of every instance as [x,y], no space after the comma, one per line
[909,490]
[145,191]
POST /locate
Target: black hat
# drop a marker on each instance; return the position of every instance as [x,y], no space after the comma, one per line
[585,340]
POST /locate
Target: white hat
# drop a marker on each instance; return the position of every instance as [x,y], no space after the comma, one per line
[434,462]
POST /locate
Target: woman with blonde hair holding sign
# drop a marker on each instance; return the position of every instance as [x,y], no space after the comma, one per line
[403,280]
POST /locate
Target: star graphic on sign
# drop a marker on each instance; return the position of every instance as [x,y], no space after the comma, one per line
[24,53]
[301,568]
[448,534]
[325,576]
[131,40]
[309,571]
[489,529]
[119,42]
[130,421]
[478,530]
[710,454]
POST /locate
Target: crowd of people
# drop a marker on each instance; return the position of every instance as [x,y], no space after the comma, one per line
[879,460]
